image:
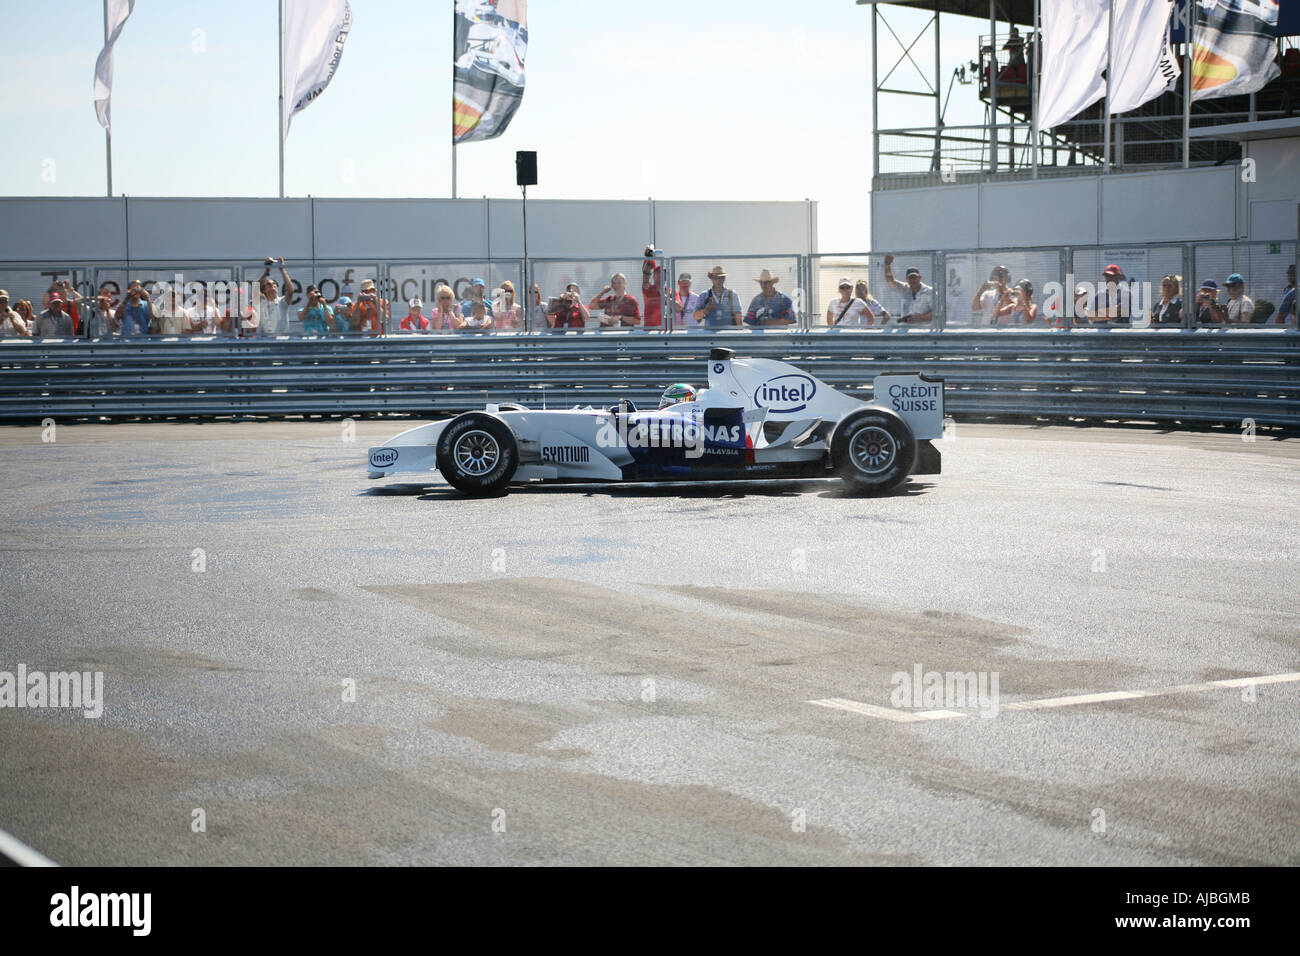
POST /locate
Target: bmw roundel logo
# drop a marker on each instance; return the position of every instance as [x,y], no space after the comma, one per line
[717,368]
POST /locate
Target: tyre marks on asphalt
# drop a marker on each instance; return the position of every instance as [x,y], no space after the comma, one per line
[763,645]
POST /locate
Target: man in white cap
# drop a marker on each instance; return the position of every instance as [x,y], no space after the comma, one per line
[719,307]
[769,307]
[686,302]
[847,310]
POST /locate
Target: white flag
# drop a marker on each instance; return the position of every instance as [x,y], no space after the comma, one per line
[1074,55]
[314,33]
[115,14]
[1142,64]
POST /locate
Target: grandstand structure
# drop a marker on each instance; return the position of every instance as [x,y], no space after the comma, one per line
[1166,173]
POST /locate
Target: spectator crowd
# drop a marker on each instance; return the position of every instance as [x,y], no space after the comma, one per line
[270,305]
[1115,301]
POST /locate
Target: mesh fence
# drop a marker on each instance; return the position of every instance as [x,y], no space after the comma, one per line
[742,275]
[981,287]
[1142,268]
[29,285]
[829,269]
[503,295]
[374,298]
[1263,266]
[181,301]
[827,274]
[594,280]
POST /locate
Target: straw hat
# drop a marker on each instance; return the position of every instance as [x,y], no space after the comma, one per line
[766,276]
[717,272]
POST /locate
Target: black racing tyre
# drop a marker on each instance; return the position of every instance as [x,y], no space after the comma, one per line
[873,450]
[477,454]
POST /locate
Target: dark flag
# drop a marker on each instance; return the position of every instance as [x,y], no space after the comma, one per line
[488,76]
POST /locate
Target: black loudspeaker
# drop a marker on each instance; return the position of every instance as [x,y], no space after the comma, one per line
[525,168]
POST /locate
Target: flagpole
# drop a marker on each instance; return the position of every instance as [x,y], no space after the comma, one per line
[1188,51]
[1110,43]
[280,79]
[453,102]
[108,130]
[1035,83]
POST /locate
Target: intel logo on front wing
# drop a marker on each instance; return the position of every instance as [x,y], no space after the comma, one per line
[383,457]
[785,393]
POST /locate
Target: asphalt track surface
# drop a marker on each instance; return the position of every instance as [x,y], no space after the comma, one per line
[624,674]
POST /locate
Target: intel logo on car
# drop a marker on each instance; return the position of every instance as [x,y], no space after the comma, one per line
[786,393]
[383,457]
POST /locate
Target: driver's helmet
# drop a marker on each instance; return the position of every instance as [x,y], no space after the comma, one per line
[674,394]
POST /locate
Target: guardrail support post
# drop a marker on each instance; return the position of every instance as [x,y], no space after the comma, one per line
[1067,288]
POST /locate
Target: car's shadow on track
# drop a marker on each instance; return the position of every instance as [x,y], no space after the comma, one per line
[822,487]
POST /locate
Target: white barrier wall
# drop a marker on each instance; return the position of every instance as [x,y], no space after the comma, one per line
[1275,194]
[572,229]
[401,228]
[719,228]
[177,230]
[59,230]
[1178,205]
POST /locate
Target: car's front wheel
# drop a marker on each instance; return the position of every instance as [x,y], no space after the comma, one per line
[873,450]
[477,453]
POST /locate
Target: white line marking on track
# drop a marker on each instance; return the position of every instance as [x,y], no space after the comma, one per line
[902,716]
[21,853]
[871,710]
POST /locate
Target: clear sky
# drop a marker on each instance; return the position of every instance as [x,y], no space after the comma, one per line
[677,99]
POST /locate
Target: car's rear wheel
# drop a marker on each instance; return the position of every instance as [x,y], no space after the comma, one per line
[873,450]
[477,453]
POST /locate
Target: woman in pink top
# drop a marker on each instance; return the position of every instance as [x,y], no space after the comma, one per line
[446,314]
[509,315]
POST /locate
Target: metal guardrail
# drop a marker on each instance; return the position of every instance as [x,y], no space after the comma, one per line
[1165,376]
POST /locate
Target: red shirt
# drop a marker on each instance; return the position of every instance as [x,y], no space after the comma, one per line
[415,323]
[626,307]
[570,318]
[654,315]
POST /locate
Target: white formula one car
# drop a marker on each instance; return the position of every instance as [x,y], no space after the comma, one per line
[758,419]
